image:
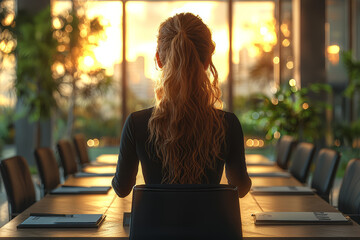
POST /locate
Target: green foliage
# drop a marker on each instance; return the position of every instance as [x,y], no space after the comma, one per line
[292,112]
[76,37]
[6,120]
[353,68]
[35,51]
[347,132]
[249,117]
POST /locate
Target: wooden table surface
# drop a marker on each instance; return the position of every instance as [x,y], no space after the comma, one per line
[114,207]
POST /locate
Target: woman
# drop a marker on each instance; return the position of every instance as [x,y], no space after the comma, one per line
[184,139]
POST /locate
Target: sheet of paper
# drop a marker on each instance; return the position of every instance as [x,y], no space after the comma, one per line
[299,218]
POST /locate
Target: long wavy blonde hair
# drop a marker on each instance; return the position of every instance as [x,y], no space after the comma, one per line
[186,128]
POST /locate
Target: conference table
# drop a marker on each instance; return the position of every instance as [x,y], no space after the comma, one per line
[114,207]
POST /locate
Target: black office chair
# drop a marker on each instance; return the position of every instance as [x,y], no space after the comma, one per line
[19,186]
[48,169]
[67,157]
[301,160]
[185,212]
[349,195]
[284,148]
[81,149]
[327,162]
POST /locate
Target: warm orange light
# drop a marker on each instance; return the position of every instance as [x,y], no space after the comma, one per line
[61,48]
[96,142]
[277,135]
[286,42]
[274,101]
[68,28]
[290,64]
[261,143]
[69,18]
[267,48]
[285,30]
[2,45]
[90,143]
[249,143]
[333,54]
[60,69]
[337,143]
[57,24]
[305,106]
[356,143]
[83,33]
[8,19]
[276,60]
[333,49]
[89,61]
[263,30]
[292,82]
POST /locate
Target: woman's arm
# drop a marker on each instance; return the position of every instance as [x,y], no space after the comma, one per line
[128,162]
[235,165]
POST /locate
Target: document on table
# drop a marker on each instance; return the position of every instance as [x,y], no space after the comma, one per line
[86,174]
[286,218]
[48,220]
[282,190]
[271,174]
[80,190]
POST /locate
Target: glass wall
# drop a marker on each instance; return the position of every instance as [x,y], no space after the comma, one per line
[262,56]
[143,20]
[286,42]
[254,56]
[7,55]
[94,84]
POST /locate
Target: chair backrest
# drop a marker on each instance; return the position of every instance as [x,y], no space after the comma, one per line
[165,211]
[349,195]
[327,162]
[48,168]
[301,160]
[18,184]
[67,157]
[81,148]
[284,148]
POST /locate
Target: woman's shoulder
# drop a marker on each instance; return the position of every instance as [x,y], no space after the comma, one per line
[228,116]
[142,113]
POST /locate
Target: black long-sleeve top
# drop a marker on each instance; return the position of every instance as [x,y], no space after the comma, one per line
[134,146]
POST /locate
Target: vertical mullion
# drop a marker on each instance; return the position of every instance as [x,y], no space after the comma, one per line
[230,76]
[277,67]
[123,67]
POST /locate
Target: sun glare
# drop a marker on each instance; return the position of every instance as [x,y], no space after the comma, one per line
[256,31]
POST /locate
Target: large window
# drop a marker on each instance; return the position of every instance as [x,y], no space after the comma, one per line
[143,20]
[262,55]
[7,55]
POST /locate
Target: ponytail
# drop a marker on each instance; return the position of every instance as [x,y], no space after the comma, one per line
[185,128]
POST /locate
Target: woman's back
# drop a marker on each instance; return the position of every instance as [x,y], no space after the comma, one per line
[135,147]
[185,138]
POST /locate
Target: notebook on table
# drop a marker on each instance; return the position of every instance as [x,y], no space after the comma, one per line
[271,174]
[46,220]
[299,218]
[86,174]
[80,190]
[282,190]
